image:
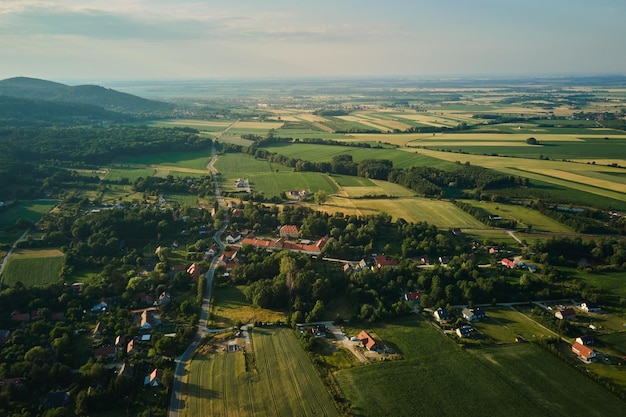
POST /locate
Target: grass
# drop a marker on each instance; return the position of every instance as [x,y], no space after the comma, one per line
[412,209]
[503,325]
[196,160]
[30,210]
[610,282]
[33,267]
[278,380]
[525,216]
[231,307]
[515,380]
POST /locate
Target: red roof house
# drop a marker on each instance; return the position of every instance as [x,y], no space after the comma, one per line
[585,353]
[368,341]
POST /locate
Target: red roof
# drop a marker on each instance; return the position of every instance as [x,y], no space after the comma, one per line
[382,260]
[289,229]
[103,352]
[583,351]
[508,262]
[367,340]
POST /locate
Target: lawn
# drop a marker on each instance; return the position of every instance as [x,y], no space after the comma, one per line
[231,307]
[524,216]
[33,267]
[439,378]
[503,325]
[278,380]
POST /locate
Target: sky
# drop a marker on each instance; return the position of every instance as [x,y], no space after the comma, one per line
[207,39]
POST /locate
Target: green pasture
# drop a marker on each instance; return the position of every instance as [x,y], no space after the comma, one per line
[321,153]
[279,380]
[30,210]
[269,178]
[339,124]
[33,267]
[610,282]
[192,160]
[351,181]
[116,174]
[525,216]
[515,380]
[230,307]
[185,200]
[616,340]
[503,325]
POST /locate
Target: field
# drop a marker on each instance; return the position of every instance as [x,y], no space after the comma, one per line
[279,381]
[33,267]
[503,325]
[523,215]
[412,209]
[230,307]
[30,210]
[190,160]
[514,380]
[200,125]
[271,179]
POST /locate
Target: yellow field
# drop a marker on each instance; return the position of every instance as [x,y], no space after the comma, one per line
[36,253]
[193,122]
[310,117]
[478,138]
[428,119]
[391,124]
[412,209]
[363,122]
[258,125]
[571,176]
[381,188]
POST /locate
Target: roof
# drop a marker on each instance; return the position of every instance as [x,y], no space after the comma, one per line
[367,340]
[382,260]
[508,262]
[289,229]
[103,352]
[57,398]
[583,351]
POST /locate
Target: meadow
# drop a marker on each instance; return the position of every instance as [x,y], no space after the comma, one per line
[33,267]
[276,380]
[503,325]
[196,160]
[30,210]
[230,307]
[437,377]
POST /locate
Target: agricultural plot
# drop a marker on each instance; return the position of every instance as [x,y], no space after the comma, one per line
[525,216]
[30,210]
[271,179]
[516,380]
[201,125]
[231,307]
[280,381]
[412,209]
[196,160]
[503,325]
[131,173]
[33,267]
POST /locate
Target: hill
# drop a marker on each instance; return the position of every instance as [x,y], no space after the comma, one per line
[106,98]
[16,110]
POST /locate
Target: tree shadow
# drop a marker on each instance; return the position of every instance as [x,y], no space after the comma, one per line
[202,392]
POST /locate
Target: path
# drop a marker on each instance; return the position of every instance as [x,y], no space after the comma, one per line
[8,255]
[512,234]
[176,403]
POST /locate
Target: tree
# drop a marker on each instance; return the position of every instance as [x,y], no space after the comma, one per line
[320,197]
[532,141]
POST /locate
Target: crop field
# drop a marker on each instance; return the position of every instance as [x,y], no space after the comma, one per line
[231,307]
[525,216]
[504,325]
[412,209]
[320,153]
[192,160]
[515,380]
[271,179]
[351,181]
[282,383]
[201,125]
[33,267]
[116,174]
[613,282]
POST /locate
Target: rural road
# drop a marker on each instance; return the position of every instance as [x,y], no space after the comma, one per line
[176,403]
[8,255]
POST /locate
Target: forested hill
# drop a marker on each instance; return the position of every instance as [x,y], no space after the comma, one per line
[19,111]
[106,98]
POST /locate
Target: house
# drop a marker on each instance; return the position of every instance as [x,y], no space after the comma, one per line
[495,217]
[126,370]
[120,341]
[105,352]
[164,299]
[585,340]
[97,331]
[444,260]
[132,347]
[464,332]
[5,384]
[289,231]
[347,267]
[20,317]
[508,263]
[146,318]
[425,260]
[565,314]
[56,399]
[154,379]
[382,261]
[473,314]
[194,271]
[233,237]
[367,340]
[413,296]
[100,307]
[441,315]
[456,231]
[57,316]
[584,353]
[590,307]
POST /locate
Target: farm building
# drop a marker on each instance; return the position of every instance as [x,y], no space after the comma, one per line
[565,314]
[441,315]
[473,314]
[585,340]
[367,340]
[584,353]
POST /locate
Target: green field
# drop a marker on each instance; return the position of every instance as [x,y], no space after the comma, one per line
[437,378]
[33,267]
[280,382]
[30,210]
[116,174]
[268,178]
[192,160]
[503,325]
[230,307]
[525,216]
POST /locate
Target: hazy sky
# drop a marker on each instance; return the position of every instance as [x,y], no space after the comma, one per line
[159,39]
